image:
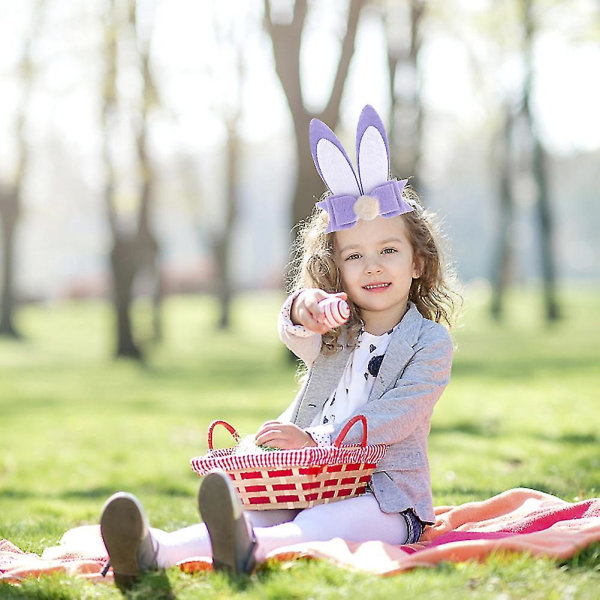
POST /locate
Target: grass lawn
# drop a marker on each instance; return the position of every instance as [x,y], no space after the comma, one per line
[521,410]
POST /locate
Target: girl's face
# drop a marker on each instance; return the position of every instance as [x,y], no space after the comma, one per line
[377,265]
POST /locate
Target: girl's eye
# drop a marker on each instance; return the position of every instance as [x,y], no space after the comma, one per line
[353,256]
[389,251]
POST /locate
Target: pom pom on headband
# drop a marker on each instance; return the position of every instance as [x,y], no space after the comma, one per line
[370,194]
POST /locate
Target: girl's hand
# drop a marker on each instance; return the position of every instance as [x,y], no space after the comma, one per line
[307,312]
[286,436]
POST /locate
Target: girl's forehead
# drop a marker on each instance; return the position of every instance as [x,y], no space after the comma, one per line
[366,232]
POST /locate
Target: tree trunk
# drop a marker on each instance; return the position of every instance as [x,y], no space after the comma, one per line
[9,215]
[147,244]
[123,255]
[224,291]
[130,251]
[124,266]
[10,200]
[544,213]
[502,260]
[287,40]
[157,304]
[228,33]
[539,170]
[308,186]
[406,108]
[223,243]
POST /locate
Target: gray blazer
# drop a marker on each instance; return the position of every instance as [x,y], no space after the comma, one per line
[412,377]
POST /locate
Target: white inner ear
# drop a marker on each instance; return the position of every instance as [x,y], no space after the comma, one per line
[337,172]
[372,160]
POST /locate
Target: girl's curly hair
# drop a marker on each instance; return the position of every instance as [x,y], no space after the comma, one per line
[313,266]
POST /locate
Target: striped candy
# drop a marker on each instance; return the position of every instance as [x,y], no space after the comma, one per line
[336,311]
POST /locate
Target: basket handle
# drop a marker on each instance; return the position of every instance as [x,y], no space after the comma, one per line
[348,425]
[234,434]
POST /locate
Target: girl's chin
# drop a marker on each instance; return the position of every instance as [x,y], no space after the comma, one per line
[383,306]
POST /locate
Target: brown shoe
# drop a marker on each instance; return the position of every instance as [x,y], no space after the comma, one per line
[126,534]
[231,534]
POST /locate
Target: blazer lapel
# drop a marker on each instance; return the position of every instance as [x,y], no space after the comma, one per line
[324,378]
[399,352]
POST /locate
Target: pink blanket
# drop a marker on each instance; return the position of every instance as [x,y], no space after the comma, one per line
[518,520]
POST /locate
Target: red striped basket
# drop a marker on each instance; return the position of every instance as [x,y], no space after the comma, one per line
[295,478]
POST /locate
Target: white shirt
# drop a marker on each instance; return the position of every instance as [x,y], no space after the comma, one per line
[357,380]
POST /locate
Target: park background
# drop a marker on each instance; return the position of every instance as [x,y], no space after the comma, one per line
[153,160]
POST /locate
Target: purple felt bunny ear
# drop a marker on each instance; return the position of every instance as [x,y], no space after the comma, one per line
[369,195]
[331,160]
[372,150]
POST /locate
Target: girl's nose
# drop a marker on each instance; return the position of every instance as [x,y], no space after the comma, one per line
[373,267]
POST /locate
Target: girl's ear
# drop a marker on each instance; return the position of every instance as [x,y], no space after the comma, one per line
[417,267]
[372,151]
[331,160]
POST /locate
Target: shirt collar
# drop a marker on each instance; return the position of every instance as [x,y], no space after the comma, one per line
[409,323]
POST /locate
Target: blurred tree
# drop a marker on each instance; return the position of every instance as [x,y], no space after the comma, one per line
[403,38]
[149,102]
[133,248]
[222,242]
[231,38]
[9,216]
[533,165]
[539,168]
[11,194]
[502,254]
[286,39]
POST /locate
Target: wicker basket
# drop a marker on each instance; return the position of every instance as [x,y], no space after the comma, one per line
[295,478]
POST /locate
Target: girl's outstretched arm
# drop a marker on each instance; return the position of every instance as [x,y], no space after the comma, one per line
[307,311]
[302,322]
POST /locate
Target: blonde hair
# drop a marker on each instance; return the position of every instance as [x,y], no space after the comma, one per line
[313,266]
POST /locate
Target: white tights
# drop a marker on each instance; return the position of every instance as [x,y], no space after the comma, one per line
[357,519]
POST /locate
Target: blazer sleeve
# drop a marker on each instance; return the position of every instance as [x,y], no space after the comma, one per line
[410,402]
[305,344]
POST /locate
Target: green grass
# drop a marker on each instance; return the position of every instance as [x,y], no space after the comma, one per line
[521,410]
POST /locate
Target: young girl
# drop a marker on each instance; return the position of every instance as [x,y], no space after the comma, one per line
[389,362]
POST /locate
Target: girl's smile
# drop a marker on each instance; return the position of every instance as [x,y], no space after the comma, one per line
[377,287]
[377,265]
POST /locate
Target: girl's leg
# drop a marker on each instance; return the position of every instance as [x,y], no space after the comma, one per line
[183,544]
[357,519]
[268,518]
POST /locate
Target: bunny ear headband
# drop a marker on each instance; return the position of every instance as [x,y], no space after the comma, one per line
[370,194]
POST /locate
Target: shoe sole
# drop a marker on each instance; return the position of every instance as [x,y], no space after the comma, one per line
[122,527]
[222,514]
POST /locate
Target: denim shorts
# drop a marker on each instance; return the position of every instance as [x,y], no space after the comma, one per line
[414,526]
